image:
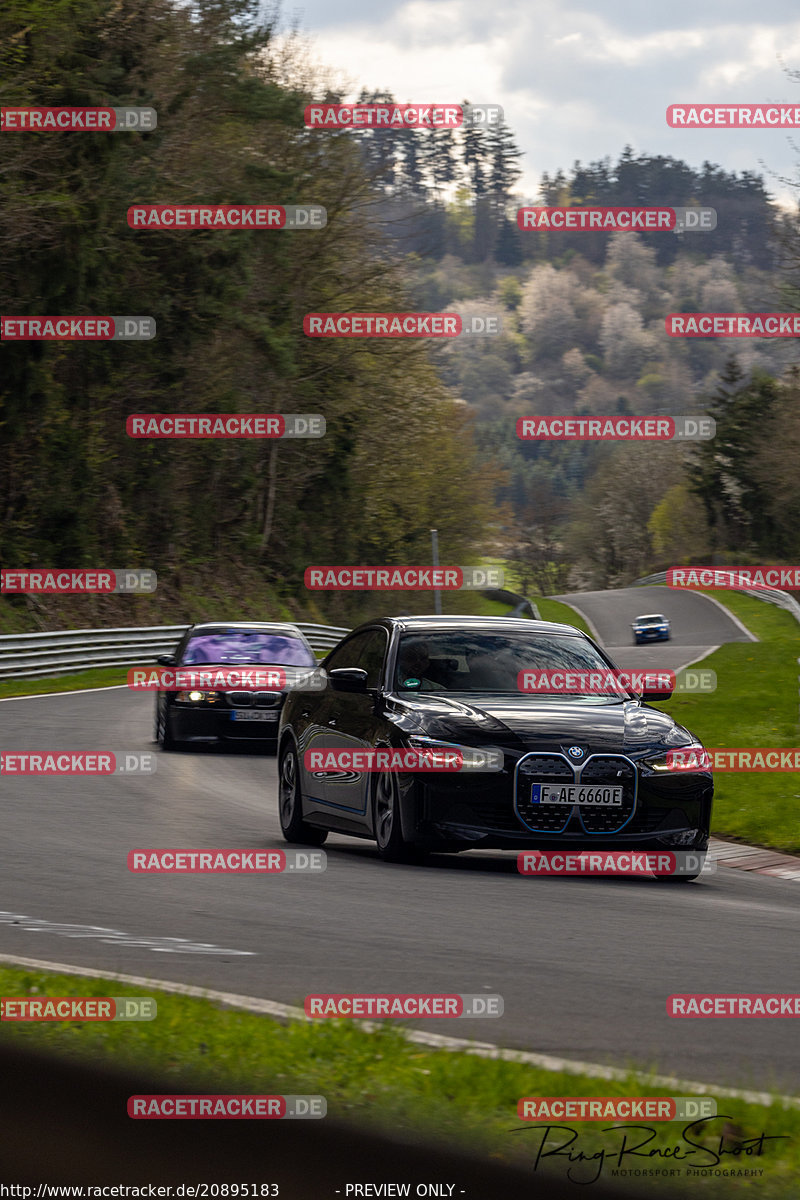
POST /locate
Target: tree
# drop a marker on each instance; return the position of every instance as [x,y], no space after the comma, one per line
[721,470]
[678,526]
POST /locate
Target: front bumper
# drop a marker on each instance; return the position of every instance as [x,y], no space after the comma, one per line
[490,812]
[197,723]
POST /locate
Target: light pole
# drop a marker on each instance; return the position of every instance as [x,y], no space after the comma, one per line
[437,595]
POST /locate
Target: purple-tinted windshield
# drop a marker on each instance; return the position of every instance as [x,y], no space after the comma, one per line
[244,647]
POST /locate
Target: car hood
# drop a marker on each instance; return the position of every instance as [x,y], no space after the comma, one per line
[291,674]
[621,726]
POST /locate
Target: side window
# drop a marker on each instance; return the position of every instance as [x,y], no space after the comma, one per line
[180,649]
[372,656]
[348,654]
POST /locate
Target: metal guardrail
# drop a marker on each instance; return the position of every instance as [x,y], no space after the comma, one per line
[28,655]
[770,595]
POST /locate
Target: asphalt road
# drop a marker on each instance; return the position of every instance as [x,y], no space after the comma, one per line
[585,966]
[698,624]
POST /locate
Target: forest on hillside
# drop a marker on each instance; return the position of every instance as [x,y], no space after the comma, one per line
[420,434]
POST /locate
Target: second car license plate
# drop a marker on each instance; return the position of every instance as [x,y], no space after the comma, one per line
[248,714]
[597,795]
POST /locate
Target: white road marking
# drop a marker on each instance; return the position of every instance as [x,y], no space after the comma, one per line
[588,620]
[113,687]
[695,661]
[435,1041]
[729,614]
[114,937]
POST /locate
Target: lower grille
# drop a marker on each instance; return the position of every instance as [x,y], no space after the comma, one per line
[544,768]
[616,771]
[253,699]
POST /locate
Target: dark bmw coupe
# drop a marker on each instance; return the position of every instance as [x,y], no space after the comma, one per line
[203,714]
[581,770]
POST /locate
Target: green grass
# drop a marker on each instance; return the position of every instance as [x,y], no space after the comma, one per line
[555,610]
[755,704]
[375,1079]
[77,681]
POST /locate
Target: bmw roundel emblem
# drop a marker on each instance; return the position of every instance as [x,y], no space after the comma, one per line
[575,752]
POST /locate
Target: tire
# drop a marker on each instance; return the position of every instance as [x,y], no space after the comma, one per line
[163,735]
[391,844]
[290,808]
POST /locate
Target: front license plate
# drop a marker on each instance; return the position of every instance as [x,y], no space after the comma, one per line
[247,714]
[595,795]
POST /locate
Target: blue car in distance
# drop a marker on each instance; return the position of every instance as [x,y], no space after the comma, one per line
[653,627]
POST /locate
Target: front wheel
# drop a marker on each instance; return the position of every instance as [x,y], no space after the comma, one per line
[163,735]
[290,808]
[392,846]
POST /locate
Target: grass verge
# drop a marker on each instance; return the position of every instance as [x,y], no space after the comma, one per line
[755,704]
[555,610]
[76,682]
[380,1080]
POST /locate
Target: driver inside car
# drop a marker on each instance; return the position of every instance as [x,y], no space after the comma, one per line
[414,669]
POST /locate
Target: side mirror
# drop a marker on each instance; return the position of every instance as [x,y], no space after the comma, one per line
[166,660]
[348,679]
[657,694]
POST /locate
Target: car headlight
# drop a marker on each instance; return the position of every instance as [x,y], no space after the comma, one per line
[691,756]
[477,758]
[194,697]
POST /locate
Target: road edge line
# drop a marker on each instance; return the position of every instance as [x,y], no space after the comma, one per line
[434,1041]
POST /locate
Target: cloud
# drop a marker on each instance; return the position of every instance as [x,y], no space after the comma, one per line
[582,81]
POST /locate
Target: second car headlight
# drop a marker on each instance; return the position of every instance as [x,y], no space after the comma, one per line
[690,757]
[476,758]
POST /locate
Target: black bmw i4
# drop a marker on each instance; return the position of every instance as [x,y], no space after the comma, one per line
[199,712]
[451,684]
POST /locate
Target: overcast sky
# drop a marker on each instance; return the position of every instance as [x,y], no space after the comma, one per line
[579,80]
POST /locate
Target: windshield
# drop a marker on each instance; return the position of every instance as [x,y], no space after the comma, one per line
[651,620]
[468,662]
[245,646]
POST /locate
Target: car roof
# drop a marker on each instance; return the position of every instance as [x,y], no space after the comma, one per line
[649,616]
[250,627]
[436,624]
